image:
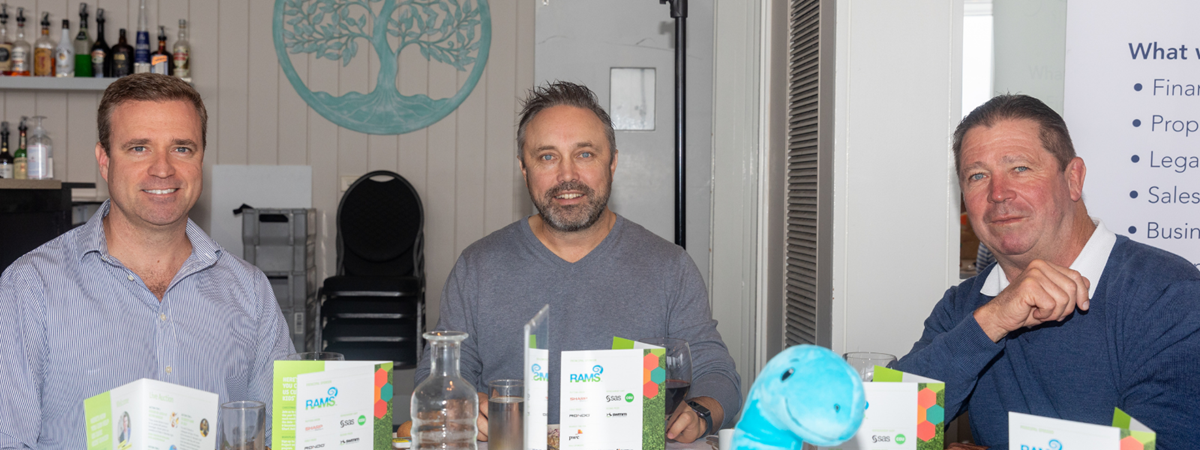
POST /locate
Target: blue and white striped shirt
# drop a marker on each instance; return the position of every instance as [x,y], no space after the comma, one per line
[75,322]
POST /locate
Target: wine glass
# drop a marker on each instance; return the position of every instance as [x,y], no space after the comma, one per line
[242,426]
[678,359]
[864,362]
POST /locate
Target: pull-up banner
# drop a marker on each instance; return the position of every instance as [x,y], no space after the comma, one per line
[1132,103]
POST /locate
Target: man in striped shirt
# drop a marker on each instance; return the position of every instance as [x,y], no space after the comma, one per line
[139,291]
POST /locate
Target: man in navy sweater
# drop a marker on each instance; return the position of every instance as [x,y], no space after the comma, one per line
[1072,320]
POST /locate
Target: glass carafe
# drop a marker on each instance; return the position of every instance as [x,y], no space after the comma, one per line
[445,406]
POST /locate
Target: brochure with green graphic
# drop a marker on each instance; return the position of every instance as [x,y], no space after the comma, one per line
[1026,430]
[603,394]
[904,412]
[151,414]
[537,380]
[332,404]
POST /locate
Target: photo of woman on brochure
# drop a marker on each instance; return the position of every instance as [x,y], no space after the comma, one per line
[126,438]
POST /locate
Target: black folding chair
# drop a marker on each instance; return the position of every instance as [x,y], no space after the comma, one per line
[374,308]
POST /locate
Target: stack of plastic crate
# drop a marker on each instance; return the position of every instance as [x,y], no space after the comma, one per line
[282,243]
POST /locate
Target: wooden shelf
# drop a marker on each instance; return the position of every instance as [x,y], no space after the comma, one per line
[6,183]
[55,83]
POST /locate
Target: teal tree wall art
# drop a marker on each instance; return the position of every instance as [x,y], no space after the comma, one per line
[454,32]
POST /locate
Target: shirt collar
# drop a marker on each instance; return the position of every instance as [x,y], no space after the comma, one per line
[1090,262]
[91,238]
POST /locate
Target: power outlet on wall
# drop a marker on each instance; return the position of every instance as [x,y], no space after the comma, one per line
[346,181]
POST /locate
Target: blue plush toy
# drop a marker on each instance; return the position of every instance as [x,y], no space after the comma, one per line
[804,394]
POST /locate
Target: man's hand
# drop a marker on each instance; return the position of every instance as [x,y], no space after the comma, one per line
[1043,292]
[685,426]
[481,422]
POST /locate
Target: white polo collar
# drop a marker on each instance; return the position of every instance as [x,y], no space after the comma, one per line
[1090,262]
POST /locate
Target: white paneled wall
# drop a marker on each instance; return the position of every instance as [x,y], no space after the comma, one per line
[463,167]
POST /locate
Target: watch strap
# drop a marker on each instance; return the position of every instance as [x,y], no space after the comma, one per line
[703,413]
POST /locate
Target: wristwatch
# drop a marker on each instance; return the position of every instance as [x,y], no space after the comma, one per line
[705,414]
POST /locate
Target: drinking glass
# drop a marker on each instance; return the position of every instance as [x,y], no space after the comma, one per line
[679,369]
[315,356]
[243,426]
[506,415]
[864,362]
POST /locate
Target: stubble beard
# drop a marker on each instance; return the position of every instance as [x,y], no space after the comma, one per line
[574,217]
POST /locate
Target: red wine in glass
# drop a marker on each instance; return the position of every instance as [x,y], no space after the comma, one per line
[676,391]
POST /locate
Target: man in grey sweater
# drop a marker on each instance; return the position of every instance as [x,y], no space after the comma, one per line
[601,274]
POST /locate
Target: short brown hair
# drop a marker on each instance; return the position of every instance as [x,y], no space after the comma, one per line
[147,87]
[562,93]
[1053,130]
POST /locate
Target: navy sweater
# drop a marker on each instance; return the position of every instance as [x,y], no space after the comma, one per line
[1137,348]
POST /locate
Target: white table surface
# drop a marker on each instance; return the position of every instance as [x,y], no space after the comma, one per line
[699,444]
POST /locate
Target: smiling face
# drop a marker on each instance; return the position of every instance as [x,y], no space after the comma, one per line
[153,167]
[1020,201]
[568,167]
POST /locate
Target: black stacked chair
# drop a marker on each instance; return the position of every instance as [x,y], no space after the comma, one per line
[374,308]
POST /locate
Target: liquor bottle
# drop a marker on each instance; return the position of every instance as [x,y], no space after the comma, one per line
[122,56]
[160,60]
[5,43]
[101,56]
[64,53]
[22,51]
[41,154]
[20,162]
[43,51]
[83,46]
[6,159]
[182,54]
[141,51]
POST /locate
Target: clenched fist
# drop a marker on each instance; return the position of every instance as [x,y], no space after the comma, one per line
[1043,292]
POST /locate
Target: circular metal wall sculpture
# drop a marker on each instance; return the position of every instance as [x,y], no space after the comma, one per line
[454,32]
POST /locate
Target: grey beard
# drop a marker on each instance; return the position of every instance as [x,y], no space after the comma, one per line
[556,217]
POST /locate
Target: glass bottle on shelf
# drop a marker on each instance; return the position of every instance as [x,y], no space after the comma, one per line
[101,54]
[41,153]
[43,51]
[6,158]
[182,54]
[141,50]
[160,60]
[445,406]
[83,46]
[22,51]
[142,42]
[20,161]
[122,56]
[64,53]
[5,42]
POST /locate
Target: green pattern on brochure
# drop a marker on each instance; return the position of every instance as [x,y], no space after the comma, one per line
[1124,421]
[383,427]
[654,428]
[283,409]
[938,440]
[98,411]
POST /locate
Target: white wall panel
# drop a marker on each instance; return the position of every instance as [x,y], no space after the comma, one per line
[463,167]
